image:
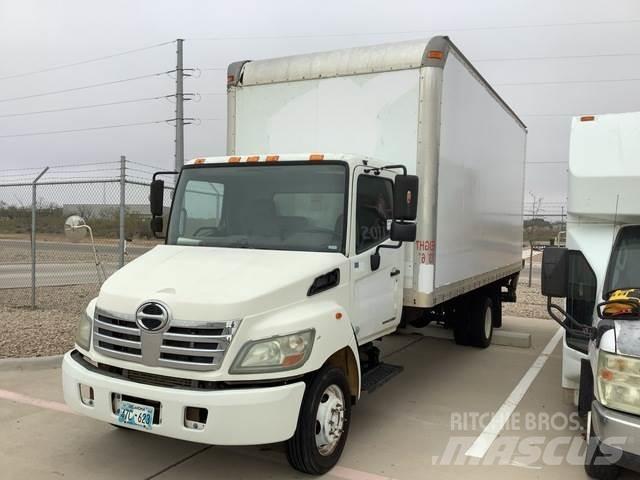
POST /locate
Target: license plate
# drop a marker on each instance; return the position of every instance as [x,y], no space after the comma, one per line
[136,415]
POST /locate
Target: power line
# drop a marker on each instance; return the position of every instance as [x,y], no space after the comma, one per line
[84,87]
[91,60]
[81,107]
[406,32]
[104,127]
[566,82]
[66,165]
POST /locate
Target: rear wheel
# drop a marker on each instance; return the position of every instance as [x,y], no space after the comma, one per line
[481,322]
[323,423]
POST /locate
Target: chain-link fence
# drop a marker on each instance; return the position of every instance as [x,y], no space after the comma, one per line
[40,264]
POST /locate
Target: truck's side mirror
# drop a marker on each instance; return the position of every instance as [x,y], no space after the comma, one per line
[157,225]
[156,201]
[156,198]
[403,232]
[405,197]
[555,272]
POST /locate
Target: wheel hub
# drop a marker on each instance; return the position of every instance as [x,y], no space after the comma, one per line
[330,420]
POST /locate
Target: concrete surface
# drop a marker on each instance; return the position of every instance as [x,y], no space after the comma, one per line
[401,431]
[501,336]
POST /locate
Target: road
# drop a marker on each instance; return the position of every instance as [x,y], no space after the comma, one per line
[65,263]
[51,274]
[70,247]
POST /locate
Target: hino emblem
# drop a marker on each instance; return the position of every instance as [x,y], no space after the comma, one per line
[152,316]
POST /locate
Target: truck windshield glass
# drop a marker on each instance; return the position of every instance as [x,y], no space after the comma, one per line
[624,265]
[269,206]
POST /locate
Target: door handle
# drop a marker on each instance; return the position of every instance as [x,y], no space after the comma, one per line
[394,272]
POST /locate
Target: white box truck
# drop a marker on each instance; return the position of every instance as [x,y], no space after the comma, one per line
[254,322]
[598,275]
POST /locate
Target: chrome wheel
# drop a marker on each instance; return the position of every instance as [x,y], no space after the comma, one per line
[488,322]
[329,420]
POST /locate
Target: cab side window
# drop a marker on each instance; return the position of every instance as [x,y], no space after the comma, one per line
[374,206]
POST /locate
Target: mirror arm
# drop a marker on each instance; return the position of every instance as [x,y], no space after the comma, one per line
[165,172]
[393,167]
[570,324]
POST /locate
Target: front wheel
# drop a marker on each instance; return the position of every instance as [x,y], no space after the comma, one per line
[323,423]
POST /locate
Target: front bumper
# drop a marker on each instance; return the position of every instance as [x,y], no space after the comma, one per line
[619,431]
[247,416]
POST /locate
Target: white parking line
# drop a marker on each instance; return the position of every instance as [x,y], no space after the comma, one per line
[484,441]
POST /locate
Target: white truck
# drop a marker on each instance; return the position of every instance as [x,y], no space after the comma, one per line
[598,274]
[255,322]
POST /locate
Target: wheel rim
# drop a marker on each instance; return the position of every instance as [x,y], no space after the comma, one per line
[330,420]
[488,323]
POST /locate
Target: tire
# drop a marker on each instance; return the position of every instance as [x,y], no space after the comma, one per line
[313,449]
[596,464]
[497,310]
[481,322]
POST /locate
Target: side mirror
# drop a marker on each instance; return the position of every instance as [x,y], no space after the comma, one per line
[156,198]
[157,225]
[403,232]
[405,197]
[555,272]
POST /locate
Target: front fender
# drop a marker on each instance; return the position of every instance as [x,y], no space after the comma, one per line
[333,332]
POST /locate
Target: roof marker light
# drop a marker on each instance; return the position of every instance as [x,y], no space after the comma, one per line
[253,158]
[273,158]
[587,118]
[435,54]
[234,159]
[316,156]
[199,161]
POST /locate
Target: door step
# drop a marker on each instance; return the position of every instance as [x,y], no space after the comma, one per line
[379,375]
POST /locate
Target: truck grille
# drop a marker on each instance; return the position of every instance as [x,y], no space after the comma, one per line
[184,346]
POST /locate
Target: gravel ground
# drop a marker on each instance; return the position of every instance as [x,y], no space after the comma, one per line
[47,330]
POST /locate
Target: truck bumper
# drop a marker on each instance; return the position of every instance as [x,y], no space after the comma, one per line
[247,416]
[620,432]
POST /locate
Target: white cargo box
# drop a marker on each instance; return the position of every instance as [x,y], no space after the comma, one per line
[419,103]
[604,171]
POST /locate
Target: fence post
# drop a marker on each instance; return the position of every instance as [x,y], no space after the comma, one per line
[34,201]
[123,179]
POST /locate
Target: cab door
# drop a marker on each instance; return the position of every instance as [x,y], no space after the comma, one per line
[376,294]
[580,304]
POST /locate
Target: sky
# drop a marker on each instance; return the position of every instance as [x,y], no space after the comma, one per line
[549,59]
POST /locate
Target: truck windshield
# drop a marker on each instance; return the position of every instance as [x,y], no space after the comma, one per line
[285,206]
[624,266]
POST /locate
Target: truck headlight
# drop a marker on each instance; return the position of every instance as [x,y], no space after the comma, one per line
[619,382]
[83,331]
[274,354]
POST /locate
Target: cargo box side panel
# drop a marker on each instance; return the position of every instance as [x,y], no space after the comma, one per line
[480,182]
[370,114]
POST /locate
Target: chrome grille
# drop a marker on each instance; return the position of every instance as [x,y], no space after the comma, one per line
[185,345]
[198,347]
[118,338]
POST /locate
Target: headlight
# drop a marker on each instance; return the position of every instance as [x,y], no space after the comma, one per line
[274,354]
[619,382]
[83,331]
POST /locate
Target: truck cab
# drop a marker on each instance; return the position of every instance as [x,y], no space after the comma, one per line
[276,271]
[598,275]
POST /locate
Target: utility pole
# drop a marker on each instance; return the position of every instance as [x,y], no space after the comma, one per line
[179,107]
